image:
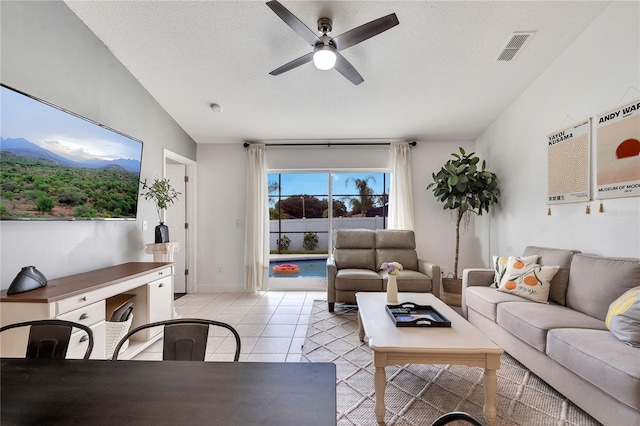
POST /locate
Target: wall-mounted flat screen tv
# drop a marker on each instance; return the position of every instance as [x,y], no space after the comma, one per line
[57,165]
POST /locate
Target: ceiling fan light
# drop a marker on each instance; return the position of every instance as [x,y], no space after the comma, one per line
[324,58]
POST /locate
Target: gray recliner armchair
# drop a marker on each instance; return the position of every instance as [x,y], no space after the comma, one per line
[354,264]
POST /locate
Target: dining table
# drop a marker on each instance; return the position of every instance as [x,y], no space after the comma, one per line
[136,392]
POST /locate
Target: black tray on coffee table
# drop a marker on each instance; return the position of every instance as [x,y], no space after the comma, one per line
[409,314]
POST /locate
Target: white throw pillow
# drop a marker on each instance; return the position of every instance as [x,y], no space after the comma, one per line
[528,280]
[500,266]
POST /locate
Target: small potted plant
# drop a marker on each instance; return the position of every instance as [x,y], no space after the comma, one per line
[283,244]
[464,188]
[163,195]
[310,241]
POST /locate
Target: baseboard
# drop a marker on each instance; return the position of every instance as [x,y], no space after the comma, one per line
[297,284]
[275,284]
[220,288]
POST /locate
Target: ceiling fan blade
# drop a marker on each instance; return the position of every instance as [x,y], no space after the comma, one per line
[293,64]
[365,31]
[295,24]
[346,69]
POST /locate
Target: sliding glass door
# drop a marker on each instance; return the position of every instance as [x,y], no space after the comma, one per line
[304,208]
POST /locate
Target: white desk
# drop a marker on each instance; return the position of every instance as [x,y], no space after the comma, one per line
[462,344]
[81,298]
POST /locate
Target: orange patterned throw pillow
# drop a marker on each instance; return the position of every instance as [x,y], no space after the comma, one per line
[500,266]
[528,280]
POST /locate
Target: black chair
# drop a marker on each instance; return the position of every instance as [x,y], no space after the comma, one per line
[456,416]
[49,339]
[185,339]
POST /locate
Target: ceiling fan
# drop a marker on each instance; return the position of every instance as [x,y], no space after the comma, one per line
[326,50]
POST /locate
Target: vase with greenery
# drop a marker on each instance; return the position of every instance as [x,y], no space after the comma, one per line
[163,195]
[465,188]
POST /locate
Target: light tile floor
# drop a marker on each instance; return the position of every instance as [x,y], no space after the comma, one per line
[272,325]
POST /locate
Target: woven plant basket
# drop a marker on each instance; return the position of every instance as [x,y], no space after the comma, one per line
[114,332]
[451,291]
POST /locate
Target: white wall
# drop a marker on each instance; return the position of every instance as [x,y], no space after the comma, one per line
[600,70]
[48,52]
[221,189]
[435,227]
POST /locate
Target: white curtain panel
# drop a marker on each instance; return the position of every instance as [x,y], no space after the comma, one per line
[400,188]
[256,244]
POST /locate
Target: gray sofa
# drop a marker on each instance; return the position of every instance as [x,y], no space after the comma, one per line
[566,342]
[357,254]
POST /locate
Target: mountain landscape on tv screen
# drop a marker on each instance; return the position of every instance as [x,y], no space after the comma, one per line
[37,183]
[24,148]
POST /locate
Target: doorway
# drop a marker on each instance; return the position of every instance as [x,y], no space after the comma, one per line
[180,218]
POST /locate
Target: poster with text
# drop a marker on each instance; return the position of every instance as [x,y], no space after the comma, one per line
[569,164]
[618,152]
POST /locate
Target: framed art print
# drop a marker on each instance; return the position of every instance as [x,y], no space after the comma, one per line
[618,152]
[568,168]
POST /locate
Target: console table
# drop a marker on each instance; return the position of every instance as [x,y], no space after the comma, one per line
[82,298]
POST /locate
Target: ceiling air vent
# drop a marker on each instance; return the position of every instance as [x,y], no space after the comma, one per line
[515,43]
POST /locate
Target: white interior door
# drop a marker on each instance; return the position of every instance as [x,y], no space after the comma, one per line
[175,219]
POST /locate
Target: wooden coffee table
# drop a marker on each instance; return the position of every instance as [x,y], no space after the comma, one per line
[462,344]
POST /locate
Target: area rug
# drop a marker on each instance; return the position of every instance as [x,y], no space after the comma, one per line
[416,395]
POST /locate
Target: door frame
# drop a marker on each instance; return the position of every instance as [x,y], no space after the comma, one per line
[191,246]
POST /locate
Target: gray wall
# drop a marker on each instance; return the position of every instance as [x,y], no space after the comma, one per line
[48,52]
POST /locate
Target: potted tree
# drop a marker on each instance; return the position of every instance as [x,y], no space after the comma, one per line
[163,195]
[464,188]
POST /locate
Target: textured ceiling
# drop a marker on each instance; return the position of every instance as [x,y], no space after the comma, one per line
[433,77]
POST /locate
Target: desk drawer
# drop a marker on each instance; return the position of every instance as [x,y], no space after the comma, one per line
[79,341]
[87,315]
[160,295]
[160,300]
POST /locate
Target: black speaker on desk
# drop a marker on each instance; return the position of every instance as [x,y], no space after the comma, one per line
[29,278]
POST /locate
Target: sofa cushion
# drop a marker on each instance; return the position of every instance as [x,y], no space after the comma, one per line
[355,259]
[354,238]
[485,300]
[554,257]
[409,281]
[394,245]
[394,238]
[530,322]
[529,280]
[408,258]
[358,280]
[596,281]
[623,317]
[598,357]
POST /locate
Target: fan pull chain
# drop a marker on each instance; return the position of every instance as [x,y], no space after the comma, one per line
[587,210]
[601,207]
[549,211]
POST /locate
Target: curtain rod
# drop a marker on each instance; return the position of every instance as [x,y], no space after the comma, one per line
[329,144]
